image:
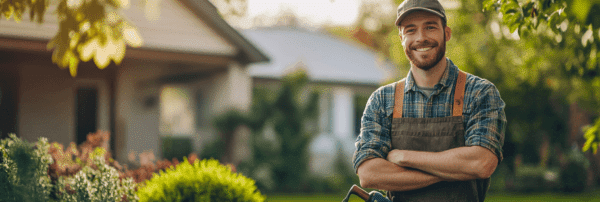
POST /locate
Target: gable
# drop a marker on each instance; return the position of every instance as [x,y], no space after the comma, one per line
[325,58]
[176,29]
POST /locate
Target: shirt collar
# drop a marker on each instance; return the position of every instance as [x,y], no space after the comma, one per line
[448,78]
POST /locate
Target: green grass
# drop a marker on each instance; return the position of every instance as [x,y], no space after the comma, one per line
[492,197]
[535,197]
[315,198]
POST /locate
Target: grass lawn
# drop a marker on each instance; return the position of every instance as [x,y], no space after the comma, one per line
[492,197]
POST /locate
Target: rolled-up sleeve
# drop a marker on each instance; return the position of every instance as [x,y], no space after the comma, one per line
[374,139]
[486,125]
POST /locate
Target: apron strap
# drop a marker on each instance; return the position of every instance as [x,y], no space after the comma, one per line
[459,94]
[398,99]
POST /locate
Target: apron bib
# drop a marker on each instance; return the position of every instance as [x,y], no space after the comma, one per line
[434,135]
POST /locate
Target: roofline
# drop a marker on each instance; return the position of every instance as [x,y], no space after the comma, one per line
[325,81]
[208,12]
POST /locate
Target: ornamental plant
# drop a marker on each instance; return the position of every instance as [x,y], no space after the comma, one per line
[205,180]
[23,170]
[42,172]
[99,182]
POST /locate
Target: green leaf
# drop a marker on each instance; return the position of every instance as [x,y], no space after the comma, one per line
[580,9]
[509,7]
[87,50]
[587,144]
[513,21]
[553,21]
[489,5]
[131,36]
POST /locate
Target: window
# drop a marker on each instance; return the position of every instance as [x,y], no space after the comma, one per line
[86,114]
[176,111]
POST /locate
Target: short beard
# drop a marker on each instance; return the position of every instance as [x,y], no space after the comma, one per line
[426,65]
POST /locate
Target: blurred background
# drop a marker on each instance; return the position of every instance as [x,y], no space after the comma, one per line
[277,88]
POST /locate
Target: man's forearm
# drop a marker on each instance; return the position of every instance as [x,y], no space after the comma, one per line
[462,163]
[379,173]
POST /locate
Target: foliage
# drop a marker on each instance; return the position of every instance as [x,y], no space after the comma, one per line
[215,150]
[226,124]
[528,178]
[98,182]
[47,173]
[230,9]
[206,180]
[176,147]
[592,134]
[23,170]
[92,29]
[573,176]
[281,135]
[572,30]
[147,167]
[87,29]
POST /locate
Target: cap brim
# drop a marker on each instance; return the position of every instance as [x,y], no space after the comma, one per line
[409,11]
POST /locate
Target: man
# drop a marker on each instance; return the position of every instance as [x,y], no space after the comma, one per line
[436,135]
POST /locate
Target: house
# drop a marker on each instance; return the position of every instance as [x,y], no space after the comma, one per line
[343,72]
[191,67]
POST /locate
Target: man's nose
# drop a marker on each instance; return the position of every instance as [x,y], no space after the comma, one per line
[420,36]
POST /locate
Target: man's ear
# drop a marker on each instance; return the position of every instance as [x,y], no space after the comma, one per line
[400,33]
[448,33]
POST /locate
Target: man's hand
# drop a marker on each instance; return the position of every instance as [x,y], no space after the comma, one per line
[396,156]
[461,163]
[378,173]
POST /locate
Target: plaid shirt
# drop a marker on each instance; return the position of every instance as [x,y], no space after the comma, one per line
[483,113]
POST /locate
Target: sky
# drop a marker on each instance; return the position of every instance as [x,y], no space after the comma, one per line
[312,13]
[341,12]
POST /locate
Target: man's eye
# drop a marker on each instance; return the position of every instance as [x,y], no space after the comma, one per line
[430,27]
[410,31]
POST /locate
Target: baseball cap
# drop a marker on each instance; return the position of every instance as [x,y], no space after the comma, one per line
[409,6]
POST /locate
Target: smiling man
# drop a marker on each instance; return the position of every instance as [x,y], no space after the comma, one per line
[437,134]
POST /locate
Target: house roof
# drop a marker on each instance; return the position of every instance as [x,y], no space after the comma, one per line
[323,57]
[188,37]
[208,12]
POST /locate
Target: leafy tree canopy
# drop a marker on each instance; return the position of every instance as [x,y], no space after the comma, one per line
[87,29]
[571,30]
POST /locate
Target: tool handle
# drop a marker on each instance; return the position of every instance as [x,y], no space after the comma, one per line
[359,192]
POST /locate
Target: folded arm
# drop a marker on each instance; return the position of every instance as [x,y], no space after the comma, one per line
[462,163]
[378,173]
[372,147]
[484,139]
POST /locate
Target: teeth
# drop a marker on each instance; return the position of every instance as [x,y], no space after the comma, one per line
[423,49]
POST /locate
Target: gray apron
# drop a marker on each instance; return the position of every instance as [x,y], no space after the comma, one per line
[434,135]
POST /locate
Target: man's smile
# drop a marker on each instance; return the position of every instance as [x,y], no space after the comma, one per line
[423,49]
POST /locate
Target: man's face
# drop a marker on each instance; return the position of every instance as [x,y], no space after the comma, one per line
[424,39]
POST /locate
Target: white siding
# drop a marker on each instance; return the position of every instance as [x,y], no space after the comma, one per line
[137,124]
[177,29]
[47,103]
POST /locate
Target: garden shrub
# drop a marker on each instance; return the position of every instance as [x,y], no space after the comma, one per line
[23,170]
[205,180]
[573,175]
[176,147]
[48,173]
[98,182]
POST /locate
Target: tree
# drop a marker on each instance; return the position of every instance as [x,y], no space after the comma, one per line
[282,161]
[575,29]
[87,29]
[499,45]
[91,28]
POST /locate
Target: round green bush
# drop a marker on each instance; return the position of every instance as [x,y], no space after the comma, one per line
[205,180]
[573,177]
